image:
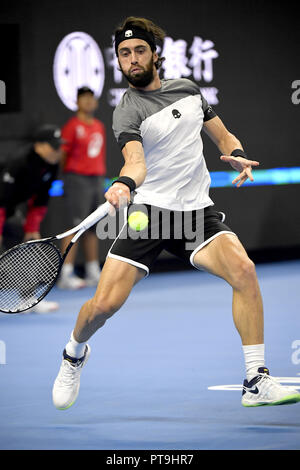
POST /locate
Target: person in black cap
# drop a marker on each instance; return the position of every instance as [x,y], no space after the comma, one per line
[84,155]
[27,179]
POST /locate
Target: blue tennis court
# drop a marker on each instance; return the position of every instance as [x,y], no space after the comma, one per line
[165,372]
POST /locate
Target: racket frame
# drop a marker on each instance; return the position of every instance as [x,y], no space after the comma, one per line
[88,222]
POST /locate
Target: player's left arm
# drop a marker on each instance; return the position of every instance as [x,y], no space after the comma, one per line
[227,143]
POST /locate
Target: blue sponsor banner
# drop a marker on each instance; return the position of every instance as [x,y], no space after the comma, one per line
[272,176]
[222,179]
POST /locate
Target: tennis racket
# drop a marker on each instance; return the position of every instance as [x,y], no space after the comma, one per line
[29,271]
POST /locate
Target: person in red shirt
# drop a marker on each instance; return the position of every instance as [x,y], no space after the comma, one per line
[84,167]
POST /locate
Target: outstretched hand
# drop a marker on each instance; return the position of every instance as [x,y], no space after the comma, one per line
[243,166]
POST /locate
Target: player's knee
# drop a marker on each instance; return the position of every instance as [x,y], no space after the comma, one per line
[244,273]
[104,307]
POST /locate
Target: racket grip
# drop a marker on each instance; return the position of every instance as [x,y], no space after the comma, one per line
[92,219]
[95,216]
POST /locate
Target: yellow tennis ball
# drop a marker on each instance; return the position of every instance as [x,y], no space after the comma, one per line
[138,221]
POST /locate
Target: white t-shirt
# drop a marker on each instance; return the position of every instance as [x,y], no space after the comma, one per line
[168,122]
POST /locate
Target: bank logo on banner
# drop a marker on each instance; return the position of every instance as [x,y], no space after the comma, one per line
[183,60]
[78,62]
[195,62]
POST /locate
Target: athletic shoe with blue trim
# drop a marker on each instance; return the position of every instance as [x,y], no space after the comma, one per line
[265,390]
[67,383]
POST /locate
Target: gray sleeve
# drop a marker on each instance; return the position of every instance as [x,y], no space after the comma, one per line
[126,124]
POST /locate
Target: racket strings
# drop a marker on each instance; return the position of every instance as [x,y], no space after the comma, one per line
[26,274]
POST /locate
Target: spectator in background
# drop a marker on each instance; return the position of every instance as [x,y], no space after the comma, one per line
[84,167]
[27,179]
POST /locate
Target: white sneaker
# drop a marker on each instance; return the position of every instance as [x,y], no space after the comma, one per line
[66,386]
[92,279]
[266,390]
[92,274]
[71,282]
[44,306]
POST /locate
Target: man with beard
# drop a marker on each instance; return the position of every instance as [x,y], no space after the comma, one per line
[157,125]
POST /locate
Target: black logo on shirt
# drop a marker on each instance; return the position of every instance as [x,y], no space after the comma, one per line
[176,113]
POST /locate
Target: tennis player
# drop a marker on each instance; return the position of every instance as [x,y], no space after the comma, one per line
[157,125]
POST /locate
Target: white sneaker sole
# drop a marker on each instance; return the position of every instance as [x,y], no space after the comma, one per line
[288,400]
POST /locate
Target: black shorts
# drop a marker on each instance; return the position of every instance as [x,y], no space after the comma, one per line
[182,234]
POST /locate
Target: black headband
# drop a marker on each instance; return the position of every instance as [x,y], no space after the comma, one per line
[132,32]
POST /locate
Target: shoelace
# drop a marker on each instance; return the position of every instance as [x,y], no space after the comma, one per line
[270,382]
[268,377]
[68,374]
[265,379]
[277,383]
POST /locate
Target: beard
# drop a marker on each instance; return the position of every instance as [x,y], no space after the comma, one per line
[143,78]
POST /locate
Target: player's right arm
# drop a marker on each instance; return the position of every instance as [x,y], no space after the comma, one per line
[134,167]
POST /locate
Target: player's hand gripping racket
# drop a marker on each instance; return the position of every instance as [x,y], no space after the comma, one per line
[29,271]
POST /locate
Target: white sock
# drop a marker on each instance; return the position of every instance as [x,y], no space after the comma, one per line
[254,358]
[67,270]
[75,349]
[92,267]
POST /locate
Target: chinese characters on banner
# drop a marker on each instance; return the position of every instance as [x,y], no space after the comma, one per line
[181,61]
[78,61]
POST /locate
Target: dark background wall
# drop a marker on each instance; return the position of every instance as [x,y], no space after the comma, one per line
[258,60]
